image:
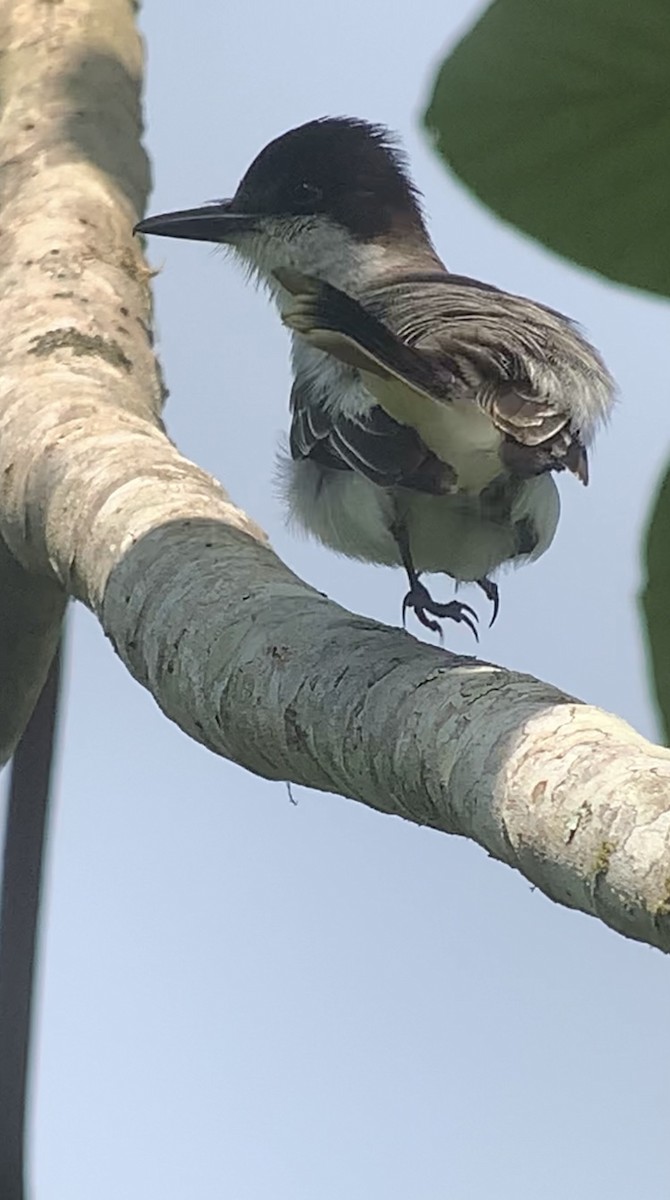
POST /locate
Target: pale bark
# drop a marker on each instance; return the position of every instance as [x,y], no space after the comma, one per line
[74,303]
[239,652]
[260,668]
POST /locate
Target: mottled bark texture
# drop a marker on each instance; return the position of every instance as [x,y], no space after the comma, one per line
[238,651]
[74,296]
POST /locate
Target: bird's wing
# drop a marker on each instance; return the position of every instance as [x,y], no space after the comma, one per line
[385,452]
[436,339]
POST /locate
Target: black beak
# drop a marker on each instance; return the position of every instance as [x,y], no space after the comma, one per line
[211,223]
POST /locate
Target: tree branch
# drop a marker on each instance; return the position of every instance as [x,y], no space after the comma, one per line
[254,664]
[238,651]
[72,294]
[25,837]
[73,173]
[31,614]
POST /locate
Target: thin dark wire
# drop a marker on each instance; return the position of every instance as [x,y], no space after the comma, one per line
[27,813]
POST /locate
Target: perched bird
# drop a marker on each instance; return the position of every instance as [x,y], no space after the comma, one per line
[428,410]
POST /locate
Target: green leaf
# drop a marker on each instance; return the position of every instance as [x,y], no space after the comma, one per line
[656,600]
[557,114]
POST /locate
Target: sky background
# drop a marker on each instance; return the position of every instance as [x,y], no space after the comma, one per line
[246,999]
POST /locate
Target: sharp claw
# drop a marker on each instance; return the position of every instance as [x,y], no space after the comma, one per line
[422,603]
[492,593]
[434,626]
[471,625]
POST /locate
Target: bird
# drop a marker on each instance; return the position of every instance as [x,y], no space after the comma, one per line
[429,412]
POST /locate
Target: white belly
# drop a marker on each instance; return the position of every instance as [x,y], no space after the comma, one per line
[354,517]
[341,509]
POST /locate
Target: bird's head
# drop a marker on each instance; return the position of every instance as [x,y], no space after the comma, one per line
[320,198]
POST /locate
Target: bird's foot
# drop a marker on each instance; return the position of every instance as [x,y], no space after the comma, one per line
[492,593]
[421,602]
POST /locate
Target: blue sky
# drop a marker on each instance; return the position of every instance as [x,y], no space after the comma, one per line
[242,998]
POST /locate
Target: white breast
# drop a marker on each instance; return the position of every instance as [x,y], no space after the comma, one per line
[354,517]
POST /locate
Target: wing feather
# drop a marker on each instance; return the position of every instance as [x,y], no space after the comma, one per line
[389,454]
[452,340]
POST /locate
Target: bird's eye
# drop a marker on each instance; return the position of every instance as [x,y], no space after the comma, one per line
[308,193]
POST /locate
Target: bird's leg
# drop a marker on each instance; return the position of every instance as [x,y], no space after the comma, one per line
[419,598]
[492,593]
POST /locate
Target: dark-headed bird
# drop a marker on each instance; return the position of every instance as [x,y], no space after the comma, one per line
[428,411]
